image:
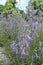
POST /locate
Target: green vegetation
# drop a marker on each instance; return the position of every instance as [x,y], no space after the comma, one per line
[21,34]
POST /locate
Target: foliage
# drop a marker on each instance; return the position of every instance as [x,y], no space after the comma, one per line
[13,2]
[22,34]
[36,4]
[1,8]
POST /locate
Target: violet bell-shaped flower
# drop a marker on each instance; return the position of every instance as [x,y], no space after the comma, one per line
[22,36]
[30,11]
[36,25]
[32,58]
[31,16]
[40,44]
[34,19]
[42,51]
[26,26]
[22,47]
[23,53]
[15,50]
[37,56]
[11,45]
[35,12]
[26,44]
[30,38]
[18,44]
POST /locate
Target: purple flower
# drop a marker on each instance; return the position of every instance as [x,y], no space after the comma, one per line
[23,53]
[31,16]
[42,64]
[11,25]
[36,25]
[15,50]
[21,47]
[40,43]
[30,38]
[30,11]
[37,35]
[16,45]
[42,51]
[21,36]
[26,26]
[35,12]
[40,13]
[34,19]
[26,44]
[32,58]
[19,43]
[42,9]
[30,32]
[11,45]
[37,56]
[41,18]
